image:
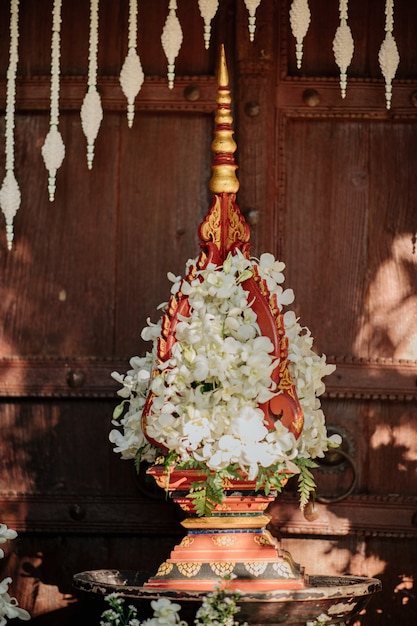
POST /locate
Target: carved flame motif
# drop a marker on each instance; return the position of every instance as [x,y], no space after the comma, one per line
[223,231]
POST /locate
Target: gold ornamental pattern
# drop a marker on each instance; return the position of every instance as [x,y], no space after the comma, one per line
[261,540]
[164,569]
[187,541]
[222,568]
[190,569]
[282,569]
[223,541]
[256,568]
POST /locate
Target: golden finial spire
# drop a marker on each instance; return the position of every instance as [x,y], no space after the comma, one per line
[223,146]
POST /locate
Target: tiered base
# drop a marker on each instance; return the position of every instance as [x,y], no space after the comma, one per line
[205,556]
[232,542]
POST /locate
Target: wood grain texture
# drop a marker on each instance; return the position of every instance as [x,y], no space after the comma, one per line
[327,184]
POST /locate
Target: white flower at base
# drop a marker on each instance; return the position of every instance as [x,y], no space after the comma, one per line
[9,608]
[8,605]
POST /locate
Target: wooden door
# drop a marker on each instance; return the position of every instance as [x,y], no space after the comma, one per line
[339,208]
[327,184]
[84,274]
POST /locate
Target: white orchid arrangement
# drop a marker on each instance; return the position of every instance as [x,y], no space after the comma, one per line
[218,607]
[9,608]
[205,410]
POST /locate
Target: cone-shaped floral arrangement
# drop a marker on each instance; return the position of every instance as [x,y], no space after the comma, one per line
[227,399]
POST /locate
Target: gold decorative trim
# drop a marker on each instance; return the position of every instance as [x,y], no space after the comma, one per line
[223,540]
[261,540]
[214,521]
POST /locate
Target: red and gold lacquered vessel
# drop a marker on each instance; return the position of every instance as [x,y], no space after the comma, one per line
[233,540]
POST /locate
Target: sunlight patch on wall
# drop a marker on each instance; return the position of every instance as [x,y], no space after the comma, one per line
[404,589]
[401,436]
[388,328]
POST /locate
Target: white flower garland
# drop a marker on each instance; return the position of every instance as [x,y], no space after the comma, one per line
[343,45]
[206,396]
[388,56]
[208,9]
[10,192]
[251,6]
[131,75]
[91,109]
[171,40]
[299,21]
[53,149]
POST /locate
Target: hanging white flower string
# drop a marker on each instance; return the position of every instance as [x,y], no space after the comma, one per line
[388,56]
[251,6]
[299,21]
[208,9]
[131,75]
[91,109]
[343,45]
[53,150]
[171,40]
[10,192]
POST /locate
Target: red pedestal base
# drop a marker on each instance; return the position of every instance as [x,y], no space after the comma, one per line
[233,542]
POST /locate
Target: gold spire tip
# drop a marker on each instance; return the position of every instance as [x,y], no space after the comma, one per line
[222,72]
[223,146]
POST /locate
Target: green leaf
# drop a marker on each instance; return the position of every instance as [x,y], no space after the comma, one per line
[306,482]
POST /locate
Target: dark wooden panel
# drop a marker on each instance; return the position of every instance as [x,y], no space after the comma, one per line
[366,98]
[43,566]
[350,237]
[382,516]
[56,285]
[255,123]
[190,93]
[63,377]
[42,442]
[164,196]
[94,514]
[389,326]
[326,197]
[379,437]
